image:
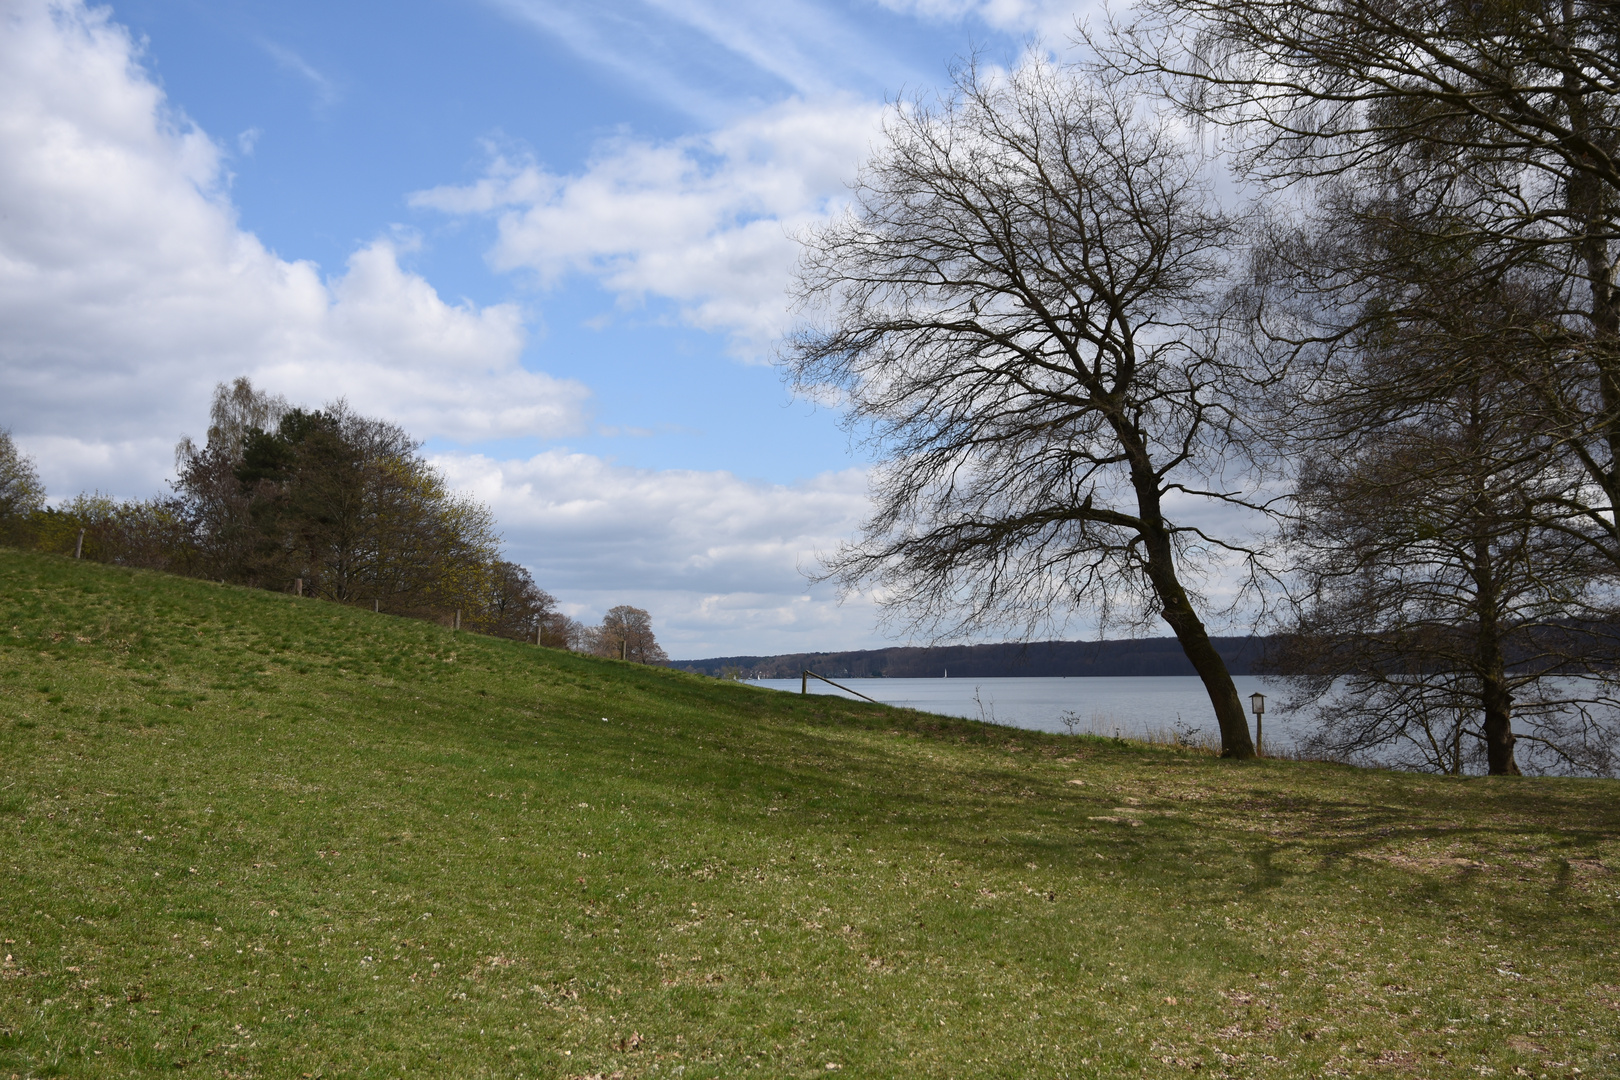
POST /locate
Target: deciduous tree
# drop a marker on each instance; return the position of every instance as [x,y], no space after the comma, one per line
[1500,121]
[626,633]
[344,502]
[1016,315]
[514,606]
[21,493]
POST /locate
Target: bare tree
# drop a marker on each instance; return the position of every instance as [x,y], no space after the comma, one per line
[559,631]
[1459,164]
[626,633]
[1503,119]
[1444,533]
[1016,315]
[1437,608]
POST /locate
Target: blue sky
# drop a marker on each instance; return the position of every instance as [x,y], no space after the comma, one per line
[550,237]
[333,114]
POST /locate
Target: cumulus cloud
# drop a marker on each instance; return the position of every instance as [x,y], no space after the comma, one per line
[128,288]
[706,221]
[718,560]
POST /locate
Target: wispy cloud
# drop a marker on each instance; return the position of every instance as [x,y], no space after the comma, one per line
[626,47]
[327,91]
[804,45]
[1052,20]
[712,59]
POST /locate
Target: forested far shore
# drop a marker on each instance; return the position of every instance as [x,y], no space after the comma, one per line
[1140,656]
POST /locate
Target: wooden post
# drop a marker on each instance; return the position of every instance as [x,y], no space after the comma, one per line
[1257,702]
[804,688]
[458,620]
[376,605]
[298,586]
[78,549]
[624,648]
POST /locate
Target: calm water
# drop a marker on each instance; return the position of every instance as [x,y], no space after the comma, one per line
[1130,706]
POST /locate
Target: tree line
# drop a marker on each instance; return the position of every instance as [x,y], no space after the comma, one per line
[1313,302]
[326,502]
[1020,659]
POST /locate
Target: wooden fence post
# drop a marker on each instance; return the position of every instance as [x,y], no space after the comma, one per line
[78,549]
[804,685]
[298,586]
[458,620]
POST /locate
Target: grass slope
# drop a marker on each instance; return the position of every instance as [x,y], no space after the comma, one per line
[246,835]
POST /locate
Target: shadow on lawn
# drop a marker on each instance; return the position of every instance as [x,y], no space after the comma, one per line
[1457,841]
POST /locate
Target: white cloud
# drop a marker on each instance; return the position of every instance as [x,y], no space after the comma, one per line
[127,288]
[719,561]
[705,221]
[1052,20]
[806,45]
[326,89]
[713,59]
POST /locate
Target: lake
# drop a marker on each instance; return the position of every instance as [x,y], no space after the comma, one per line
[1127,706]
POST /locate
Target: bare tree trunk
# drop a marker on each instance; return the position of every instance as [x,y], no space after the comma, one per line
[1177,609]
[1605,324]
[1590,200]
[1189,629]
[1496,699]
[1499,737]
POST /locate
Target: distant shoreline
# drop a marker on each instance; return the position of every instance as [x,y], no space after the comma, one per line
[1037,659]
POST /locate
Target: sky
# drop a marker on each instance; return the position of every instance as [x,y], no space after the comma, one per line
[551,238]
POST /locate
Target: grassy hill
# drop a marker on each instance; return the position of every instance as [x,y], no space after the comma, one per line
[247,835]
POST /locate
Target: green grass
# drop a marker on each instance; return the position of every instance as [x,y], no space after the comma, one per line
[246,835]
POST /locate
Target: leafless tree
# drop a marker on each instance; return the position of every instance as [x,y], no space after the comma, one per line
[559,631]
[1016,316]
[1501,121]
[626,633]
[1440,619]
[1445,532]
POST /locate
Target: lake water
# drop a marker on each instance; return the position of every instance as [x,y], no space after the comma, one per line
[1105,706]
